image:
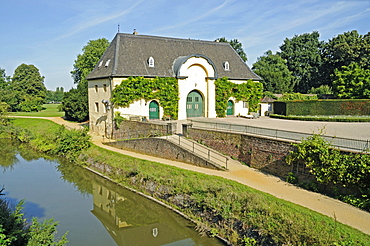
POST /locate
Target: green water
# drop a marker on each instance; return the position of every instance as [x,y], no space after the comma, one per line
[93,210]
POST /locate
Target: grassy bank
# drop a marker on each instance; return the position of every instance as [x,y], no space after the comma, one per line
[236,212]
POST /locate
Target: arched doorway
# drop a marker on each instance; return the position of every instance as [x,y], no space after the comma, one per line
[194,104]
[230,108]
[153,110]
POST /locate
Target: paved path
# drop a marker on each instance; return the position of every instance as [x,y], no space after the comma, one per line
[343,212]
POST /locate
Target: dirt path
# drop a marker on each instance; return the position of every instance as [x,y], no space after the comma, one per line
[343,212]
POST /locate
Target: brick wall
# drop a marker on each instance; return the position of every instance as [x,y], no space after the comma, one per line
[265,154]
[138,129]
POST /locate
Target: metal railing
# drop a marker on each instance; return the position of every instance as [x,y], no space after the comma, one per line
[356,145]
[126,135]
[199,149]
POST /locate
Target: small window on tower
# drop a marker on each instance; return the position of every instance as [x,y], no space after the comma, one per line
[96,88]
[151,62]
[107,63]
[105,87]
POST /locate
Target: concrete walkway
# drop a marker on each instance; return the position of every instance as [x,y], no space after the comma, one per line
[343,212]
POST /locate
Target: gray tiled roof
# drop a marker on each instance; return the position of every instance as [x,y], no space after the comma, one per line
[129,54]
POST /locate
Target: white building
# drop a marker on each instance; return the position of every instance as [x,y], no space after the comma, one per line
[195,64]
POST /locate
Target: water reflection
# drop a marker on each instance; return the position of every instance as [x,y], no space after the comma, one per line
[127,217]
[135,220]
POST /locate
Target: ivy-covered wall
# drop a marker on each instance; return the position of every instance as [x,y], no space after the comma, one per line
[165,90]
[250,91]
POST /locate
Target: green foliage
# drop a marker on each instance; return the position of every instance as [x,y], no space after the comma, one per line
[296,96]
[14,230]
[321,91]
[26,90]
[303,56]
[275,74]
[75,102]
[237,46]
[342,50]
[75,105]
[55,96]
[323,107]
[118,119]
[44,234]
[352,82]
[70,143]
[250,91]
[330,166]
[329,118]
[4,108]
[165,90]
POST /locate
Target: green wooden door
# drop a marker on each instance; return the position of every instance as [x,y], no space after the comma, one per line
[153,110]
[230,108]
[194,104]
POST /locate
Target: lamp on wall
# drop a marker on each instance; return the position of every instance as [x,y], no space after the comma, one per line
[106,103]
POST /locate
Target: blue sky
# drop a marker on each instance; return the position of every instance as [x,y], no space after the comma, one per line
[51,33]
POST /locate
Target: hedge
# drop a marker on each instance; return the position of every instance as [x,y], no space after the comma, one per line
[323,107]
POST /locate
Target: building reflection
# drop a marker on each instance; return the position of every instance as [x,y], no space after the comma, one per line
[135,220]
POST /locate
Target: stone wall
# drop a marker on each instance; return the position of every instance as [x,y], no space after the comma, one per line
[138,129]
[164,149]
[265,154]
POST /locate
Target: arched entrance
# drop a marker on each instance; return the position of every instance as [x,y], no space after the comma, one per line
[230,108]
[153,110]
[194,104]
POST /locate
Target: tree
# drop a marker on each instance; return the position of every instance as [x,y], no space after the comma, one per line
[343,50]
[275,74]
[4,80]
[55,96]
[27,89]
[352,82]
[77,99]
[237,46]
[303,56]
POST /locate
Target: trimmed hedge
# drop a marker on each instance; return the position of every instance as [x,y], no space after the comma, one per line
[340,118]
[323,107]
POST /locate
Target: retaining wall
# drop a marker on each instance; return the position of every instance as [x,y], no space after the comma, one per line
[164,149]
[265,154]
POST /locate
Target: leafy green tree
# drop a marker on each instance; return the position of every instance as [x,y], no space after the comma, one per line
[27,89]
[352,82]
[77,99]
[343,50]
[237,46]
[303,56]
[275,74]
[4,80]
[55,96]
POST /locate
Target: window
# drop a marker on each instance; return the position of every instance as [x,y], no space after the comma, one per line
[245,104]
[101,63]
[105,87]
[107,63]
[226,66]
[96,88]
[151,62]
[96,107]
[189,99]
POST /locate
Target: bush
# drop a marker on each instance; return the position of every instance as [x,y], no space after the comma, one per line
[323,107]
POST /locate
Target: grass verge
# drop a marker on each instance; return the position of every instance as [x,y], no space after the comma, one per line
[233,211]
[49,110]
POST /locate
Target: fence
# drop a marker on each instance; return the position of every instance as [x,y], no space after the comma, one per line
[356,145]
[199,149]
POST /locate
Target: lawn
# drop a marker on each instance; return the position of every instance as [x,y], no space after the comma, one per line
[49,110]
